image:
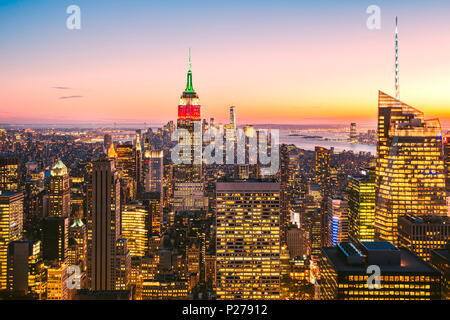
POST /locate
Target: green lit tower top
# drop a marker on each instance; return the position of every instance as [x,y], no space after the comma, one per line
[189,86]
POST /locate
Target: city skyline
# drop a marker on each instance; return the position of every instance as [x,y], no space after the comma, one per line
[114,70]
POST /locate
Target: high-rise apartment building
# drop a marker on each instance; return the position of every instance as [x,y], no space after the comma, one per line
[248,240]
[410,176]
[11,228]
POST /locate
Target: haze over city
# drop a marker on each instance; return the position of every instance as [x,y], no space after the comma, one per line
[284,62]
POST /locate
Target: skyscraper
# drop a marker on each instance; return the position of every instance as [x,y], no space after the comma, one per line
[136,227]
[337,220]
[233,117]
[59,191]
[127,166]
[410,175]
[105,224]
[9,175]
[248,240]
[26,272]
[11,227]
[322,169]
[55,239]
[153,171]
[189,128]
[361,206]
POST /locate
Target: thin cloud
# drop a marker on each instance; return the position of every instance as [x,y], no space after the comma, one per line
[62,88]
[70,97]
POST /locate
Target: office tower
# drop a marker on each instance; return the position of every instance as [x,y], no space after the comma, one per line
[311,222]
[126,164]
[136,227]
[26,271]
[107,141]
[295,242]
[11,227]
[57,282]
[285,194]
[421,234]
[361,206]
[322,169]
[248,240]
[337,220]
[122,274]
[138,159]
[410,169]
[212,123]
[105,224]
[440,259]
[404,276]
[447,162]
[59,191]
[153,171]
[77,249]
[233,118]
[353,133]
[189,196]
[10,175]
[189,134]
[55,239]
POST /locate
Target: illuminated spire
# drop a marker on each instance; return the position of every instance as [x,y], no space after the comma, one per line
[397,88]
[112,152]
[189,87]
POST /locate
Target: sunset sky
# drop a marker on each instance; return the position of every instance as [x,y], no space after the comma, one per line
[276,61]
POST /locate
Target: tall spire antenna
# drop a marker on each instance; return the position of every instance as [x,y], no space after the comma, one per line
[397,87]
[189,58]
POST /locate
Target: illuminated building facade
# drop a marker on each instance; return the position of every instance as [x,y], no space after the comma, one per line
[26,271]
[421,234]
[59,191]
[9,175]
[322,169]
[440,259]
[136,227]
[127,166]
[361,206]
[122,270]
[337,220]
[77,250]
[189,128]
[164,289]
[11,228]
[248,240]
[404,276]
[153,171]
[410,175]
[57,282]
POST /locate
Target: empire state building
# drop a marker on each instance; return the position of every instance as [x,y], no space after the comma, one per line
[189,134]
